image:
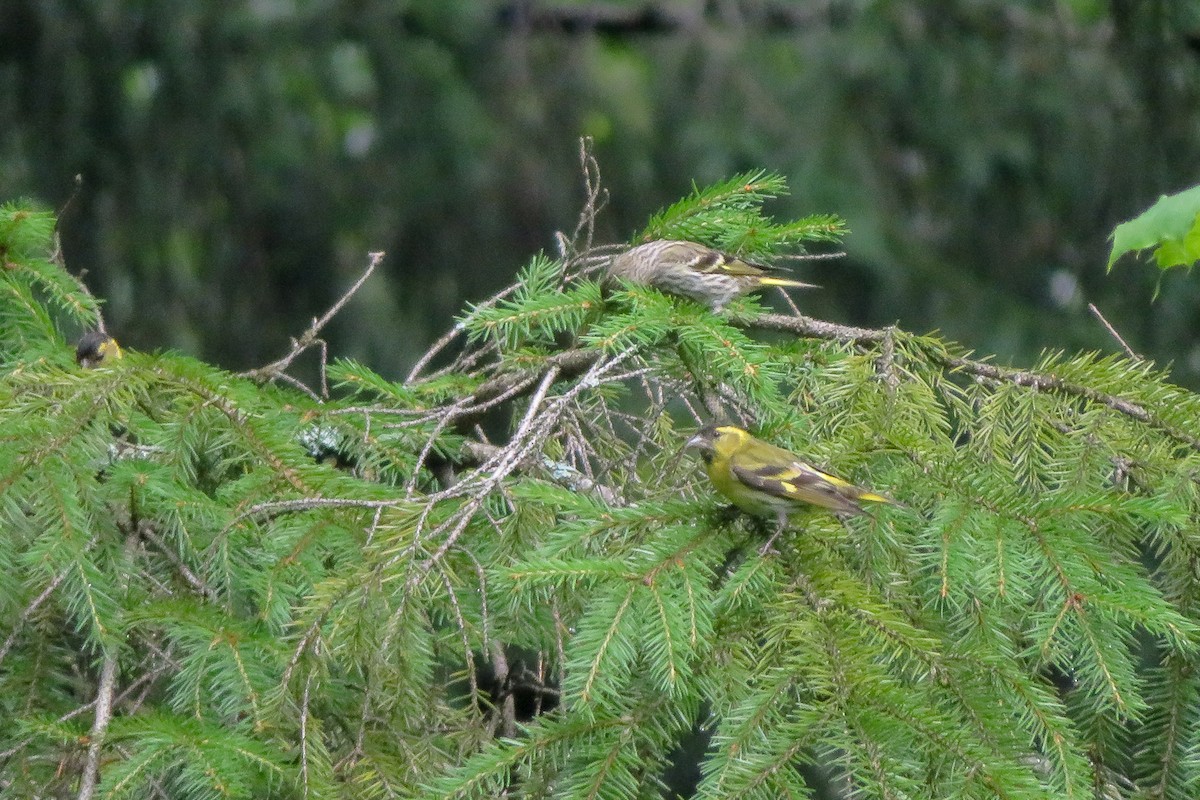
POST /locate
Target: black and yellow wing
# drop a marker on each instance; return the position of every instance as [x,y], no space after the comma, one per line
[796,482]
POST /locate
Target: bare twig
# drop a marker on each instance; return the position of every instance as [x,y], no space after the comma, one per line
[595,197]
[443,420]
[300,385]
[276,369]
[791,304]
[465,636]
[437,347]
[274,507]
[146,531]
[886,363]
[304,700]
[64,208]
[568,364]
[536,402]
[1113,332]
[563,474]
[28,612]
[455,331]
[507,718]
[534,429]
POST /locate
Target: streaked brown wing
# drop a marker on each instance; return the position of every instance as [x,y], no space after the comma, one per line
[714,262]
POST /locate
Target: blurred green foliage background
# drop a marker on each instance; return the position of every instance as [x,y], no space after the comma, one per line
[239,159]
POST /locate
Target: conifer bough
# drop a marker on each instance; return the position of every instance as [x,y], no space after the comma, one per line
[694,271]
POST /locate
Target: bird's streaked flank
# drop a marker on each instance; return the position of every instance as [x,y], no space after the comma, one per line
[694,271]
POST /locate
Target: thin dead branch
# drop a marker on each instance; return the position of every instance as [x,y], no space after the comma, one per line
[1113,332]
[276,369]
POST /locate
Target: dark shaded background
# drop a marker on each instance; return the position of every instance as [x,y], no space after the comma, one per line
[239,159]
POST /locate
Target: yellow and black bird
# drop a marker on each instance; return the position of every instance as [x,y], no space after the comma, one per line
[95,348]
[694,271]
[766,480]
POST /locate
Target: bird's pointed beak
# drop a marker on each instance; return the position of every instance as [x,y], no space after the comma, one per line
[695,441]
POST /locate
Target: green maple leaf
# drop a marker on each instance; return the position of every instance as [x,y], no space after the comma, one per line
[1172,226]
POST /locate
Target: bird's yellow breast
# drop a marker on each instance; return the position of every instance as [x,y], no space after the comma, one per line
[742,496]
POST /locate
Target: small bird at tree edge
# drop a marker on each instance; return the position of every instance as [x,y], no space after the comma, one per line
[694,271]
[766,480]
[95,348]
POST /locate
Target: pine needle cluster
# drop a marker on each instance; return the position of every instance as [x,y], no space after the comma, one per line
[502,577]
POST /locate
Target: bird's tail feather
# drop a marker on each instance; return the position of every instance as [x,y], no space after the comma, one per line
[787,282]
[878,498]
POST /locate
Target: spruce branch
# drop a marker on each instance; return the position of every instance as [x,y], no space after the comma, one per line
[509,385]
[1038,381]
[144,683]
[1031,379]
[241,421]
[104,698]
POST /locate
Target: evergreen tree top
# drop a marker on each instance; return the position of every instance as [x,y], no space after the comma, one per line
[502,576]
